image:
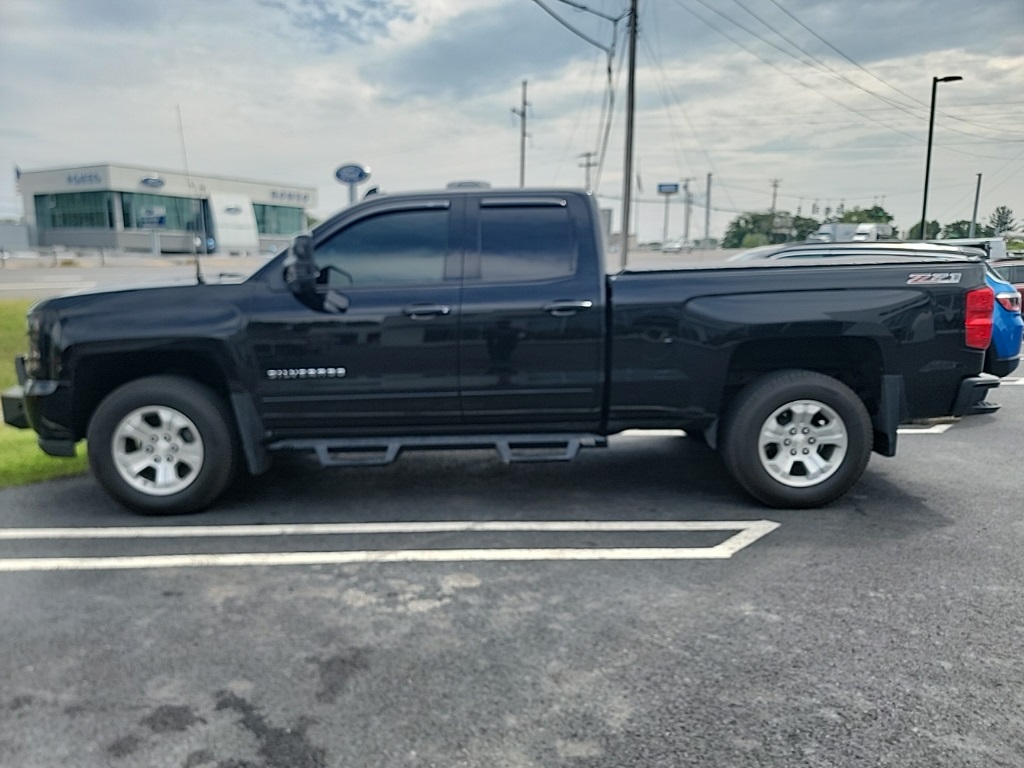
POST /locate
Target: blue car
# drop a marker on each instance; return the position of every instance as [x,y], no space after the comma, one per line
[1003,355]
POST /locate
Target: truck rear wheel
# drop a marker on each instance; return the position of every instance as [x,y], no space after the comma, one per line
[797,439]
[163,445]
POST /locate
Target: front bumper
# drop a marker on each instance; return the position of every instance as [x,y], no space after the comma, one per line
[13,399]
[14,407]
[20,407]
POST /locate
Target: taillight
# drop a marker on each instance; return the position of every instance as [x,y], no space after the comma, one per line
[1010,300]
[978,323]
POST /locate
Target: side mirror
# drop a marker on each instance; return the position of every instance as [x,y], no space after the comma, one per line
[300,270]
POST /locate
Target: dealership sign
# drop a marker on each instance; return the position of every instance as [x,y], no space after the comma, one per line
[352,174]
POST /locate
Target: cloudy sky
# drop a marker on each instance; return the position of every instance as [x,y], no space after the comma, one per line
[829,97]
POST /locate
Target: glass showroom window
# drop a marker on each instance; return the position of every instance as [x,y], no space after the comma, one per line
[278,219]
[143,211]
[82,210]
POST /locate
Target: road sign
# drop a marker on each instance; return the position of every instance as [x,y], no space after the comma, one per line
[668,189]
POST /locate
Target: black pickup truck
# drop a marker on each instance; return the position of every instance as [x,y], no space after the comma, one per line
[471,318]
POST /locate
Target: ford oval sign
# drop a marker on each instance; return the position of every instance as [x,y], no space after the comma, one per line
[152,181]
[352,174]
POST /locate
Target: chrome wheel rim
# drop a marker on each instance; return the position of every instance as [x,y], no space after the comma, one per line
[158,450]
[803,443]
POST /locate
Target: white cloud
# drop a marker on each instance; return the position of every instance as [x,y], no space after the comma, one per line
[422,91]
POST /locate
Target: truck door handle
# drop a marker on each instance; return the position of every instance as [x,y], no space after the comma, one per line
[424,311]
[566,308]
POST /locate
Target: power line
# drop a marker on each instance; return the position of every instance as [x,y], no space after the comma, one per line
[581,7]
[871,74]
[828,67]
[845,79]
[782,71]
[609,112]
[831,72]
[571,28]
[579,119]
[664,86]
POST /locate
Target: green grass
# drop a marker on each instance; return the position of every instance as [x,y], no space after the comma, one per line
[21,461]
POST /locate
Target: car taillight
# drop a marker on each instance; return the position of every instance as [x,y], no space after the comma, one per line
[1009,300]
[978,322]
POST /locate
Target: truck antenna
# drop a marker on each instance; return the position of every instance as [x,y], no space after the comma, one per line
[192,191]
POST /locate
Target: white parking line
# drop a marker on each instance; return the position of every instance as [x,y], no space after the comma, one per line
[747,532]
[54,285]
[1012,383]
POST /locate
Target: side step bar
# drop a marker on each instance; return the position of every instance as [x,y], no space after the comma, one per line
[377,451]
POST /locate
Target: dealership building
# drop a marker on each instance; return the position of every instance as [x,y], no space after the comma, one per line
[134,208]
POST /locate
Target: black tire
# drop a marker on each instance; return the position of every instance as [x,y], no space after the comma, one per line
[796,439]
[163,445]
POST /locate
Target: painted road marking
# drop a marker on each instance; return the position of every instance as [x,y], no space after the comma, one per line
[56,285]
[1011,383]
[747,532]
[936,429]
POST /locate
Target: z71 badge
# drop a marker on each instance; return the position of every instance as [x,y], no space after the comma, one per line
[934,277]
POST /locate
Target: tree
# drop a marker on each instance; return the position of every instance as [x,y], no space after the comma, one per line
[962,228]
[745,225]
[802,227]
[1001,220]
[932,231]
[874,215]
[761,229]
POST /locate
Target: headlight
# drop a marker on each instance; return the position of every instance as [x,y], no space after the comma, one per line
[34,358]
[39,364]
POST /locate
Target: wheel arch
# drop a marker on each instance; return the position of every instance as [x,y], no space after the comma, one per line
[97,374]
[859,362]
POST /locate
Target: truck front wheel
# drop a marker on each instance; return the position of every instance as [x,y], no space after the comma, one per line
[797,439]
[163,445]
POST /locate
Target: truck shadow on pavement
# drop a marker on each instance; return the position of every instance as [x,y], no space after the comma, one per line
[655,478]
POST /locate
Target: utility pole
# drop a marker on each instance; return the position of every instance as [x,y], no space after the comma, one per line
[974,216]
[627,170]
[687,206]
[588,163]
[521,112]
[771,214]
[707,214]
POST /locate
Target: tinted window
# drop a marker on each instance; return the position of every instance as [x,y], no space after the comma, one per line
[1013,273]
[526,243]
[396,247]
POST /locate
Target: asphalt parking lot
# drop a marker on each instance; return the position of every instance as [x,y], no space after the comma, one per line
[630,608]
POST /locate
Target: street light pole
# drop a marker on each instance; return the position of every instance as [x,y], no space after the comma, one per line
[928,155]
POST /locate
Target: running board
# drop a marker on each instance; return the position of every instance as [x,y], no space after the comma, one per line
[377,451]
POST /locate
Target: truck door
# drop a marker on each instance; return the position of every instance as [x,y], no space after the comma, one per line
[532,325]
[382,354]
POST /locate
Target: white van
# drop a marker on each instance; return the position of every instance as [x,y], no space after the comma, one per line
[872,231]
